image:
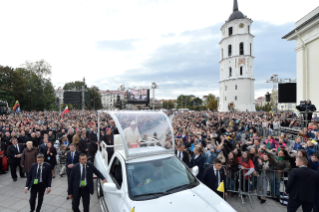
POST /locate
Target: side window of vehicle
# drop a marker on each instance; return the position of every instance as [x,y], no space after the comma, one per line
[116,172]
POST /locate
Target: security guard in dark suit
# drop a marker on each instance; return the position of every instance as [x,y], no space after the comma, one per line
[72,158]
[81,183]
[14,152]
[39,180]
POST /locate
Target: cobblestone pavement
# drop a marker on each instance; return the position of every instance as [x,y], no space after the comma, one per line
[12,198]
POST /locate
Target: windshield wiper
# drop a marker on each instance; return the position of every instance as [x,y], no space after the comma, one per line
[187,186]
[154,194]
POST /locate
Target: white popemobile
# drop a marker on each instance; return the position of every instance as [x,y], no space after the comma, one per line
[144,175]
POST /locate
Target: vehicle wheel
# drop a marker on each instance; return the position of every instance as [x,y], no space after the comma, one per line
[99,189]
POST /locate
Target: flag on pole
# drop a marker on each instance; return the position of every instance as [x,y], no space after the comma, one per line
[18,110]
[16,105]
[221,187]
[66,110]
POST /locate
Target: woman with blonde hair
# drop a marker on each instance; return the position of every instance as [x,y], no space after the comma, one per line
[29,156]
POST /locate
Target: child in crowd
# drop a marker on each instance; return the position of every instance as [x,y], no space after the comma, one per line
[270,142]
[314,161]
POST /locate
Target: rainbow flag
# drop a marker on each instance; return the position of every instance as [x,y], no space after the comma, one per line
[16,105]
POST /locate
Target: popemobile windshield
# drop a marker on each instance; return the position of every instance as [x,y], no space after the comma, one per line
[142,172]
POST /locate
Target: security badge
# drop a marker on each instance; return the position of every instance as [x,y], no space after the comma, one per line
[36,181]
[83,181]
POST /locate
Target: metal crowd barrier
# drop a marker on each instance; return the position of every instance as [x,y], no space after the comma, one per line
[264,132]
[269,184]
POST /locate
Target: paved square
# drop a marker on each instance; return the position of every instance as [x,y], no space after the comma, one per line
[12,198]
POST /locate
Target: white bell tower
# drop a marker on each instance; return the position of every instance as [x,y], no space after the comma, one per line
[236,64]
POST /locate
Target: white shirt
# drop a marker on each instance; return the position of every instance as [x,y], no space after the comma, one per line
[180,155]
[17,146]
[215,170]
[41,168]
[196,156]
[81,168]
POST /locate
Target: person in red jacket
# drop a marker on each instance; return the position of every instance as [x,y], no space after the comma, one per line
[248,168]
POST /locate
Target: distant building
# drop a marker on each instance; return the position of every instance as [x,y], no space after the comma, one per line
[259,101]
[236,63]
[157,103]
[109,98]
[306,35]
[59,95]
[286,106]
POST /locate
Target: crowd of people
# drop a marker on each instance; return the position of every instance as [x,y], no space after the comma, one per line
[234,141]
[201,139]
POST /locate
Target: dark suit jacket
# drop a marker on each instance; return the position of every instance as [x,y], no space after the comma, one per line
[46,175]
[75,178]
[303,184]
[12,151]
[23,139]
[210,179]
[185,157]
[92,142]
[42,148]
[6,140]
[83,145]
[200,162]
[68,159]
[109,140]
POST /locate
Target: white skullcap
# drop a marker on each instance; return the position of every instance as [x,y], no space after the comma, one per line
[133,123]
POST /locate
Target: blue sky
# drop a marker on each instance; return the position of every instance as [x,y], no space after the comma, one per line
[137,42]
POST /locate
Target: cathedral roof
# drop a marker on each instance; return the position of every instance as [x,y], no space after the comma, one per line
[236,13]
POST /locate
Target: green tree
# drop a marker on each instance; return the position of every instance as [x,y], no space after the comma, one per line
[95,98]
[208,98]
[196,102]
[184,101]
[39,89]
[6,89]
[168,104]
[213,103]
[30,85]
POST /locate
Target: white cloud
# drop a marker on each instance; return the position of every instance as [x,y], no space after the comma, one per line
[66,33]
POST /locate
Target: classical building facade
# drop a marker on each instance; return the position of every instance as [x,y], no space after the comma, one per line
[236,64]
[109,98]
[306,35]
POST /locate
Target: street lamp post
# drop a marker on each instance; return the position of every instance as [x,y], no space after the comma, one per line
[154,86]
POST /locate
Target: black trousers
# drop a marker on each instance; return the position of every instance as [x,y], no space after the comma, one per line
[294,204]
[316,205]
[37,190]
[85,194]
[13,169]
[92,155]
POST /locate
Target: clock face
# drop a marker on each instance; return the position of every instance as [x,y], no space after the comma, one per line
[241,25]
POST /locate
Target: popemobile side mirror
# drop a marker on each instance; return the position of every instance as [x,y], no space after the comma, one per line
[111,188]
[195,170]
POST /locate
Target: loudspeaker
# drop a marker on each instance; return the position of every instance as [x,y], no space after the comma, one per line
[267,97]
